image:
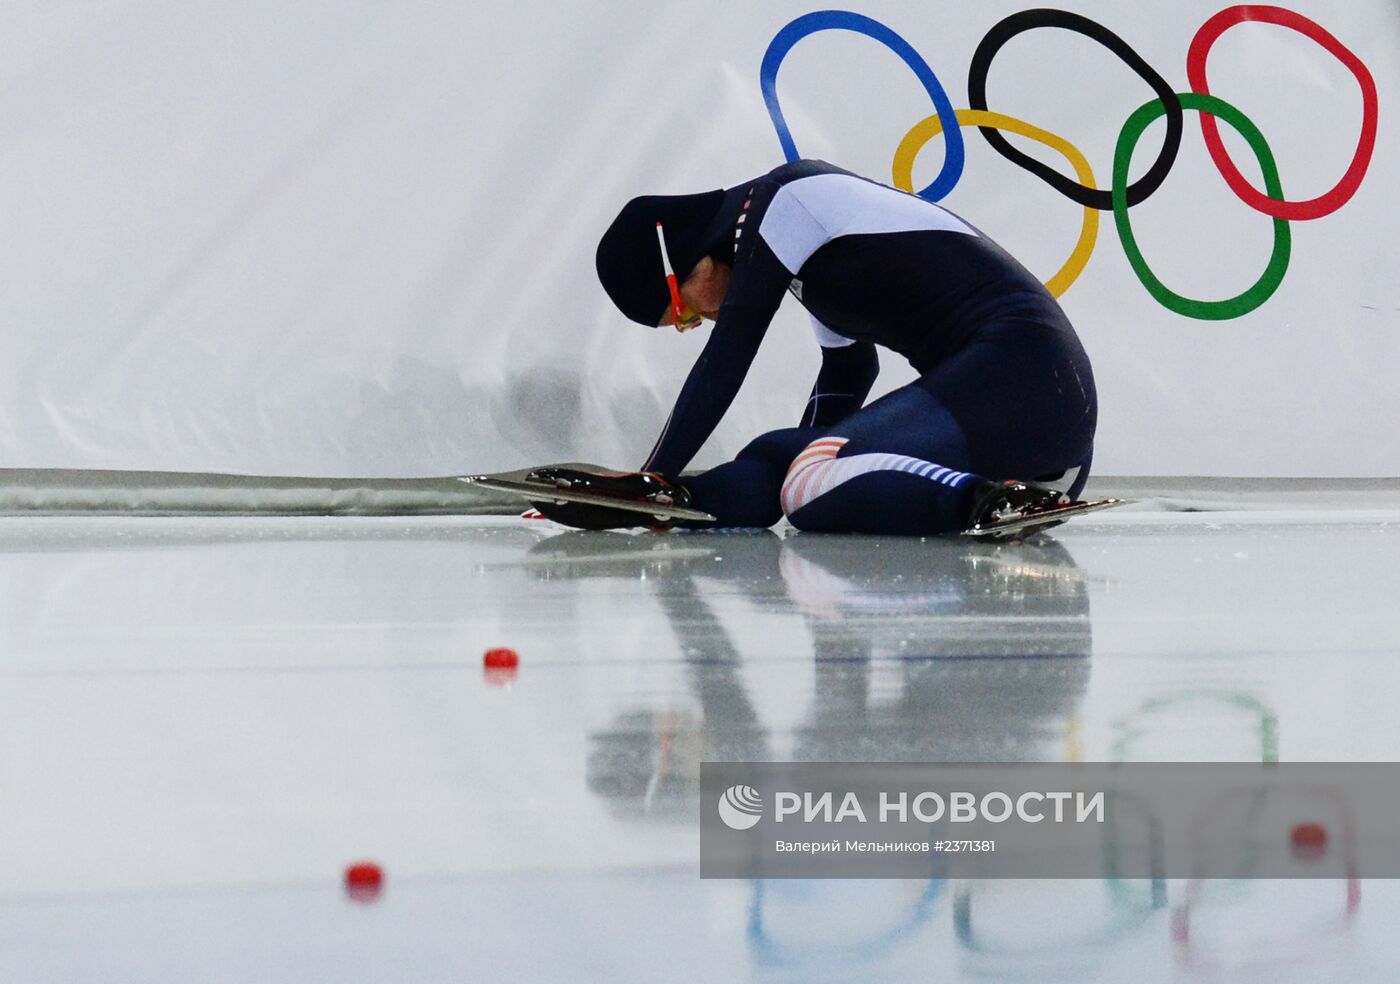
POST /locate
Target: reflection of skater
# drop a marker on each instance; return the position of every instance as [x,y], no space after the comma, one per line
[982,655]
[1005,390]
[649,757]
[992,649]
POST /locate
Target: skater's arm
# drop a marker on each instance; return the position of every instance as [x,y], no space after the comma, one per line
[847,373]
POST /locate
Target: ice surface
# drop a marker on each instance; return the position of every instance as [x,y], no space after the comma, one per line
[202,721]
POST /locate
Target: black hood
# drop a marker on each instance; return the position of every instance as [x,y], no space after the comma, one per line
[629,257]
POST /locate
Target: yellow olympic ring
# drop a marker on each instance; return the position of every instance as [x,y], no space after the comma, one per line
[926,129]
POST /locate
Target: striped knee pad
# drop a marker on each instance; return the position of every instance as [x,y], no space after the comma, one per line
[818,470]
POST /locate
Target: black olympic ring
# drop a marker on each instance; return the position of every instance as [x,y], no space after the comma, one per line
[1026,20]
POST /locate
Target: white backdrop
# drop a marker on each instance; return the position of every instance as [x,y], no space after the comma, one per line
[329,237]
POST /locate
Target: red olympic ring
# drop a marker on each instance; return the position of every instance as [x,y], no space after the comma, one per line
[1196,74]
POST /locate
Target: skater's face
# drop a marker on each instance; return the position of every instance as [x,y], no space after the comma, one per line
[702,293]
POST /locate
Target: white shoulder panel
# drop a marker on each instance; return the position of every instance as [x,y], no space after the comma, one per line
[809,212]
[827,338]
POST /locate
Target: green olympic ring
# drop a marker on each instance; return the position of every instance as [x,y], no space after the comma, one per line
[1273,274]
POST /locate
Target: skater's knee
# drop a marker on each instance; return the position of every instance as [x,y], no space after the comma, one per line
[752,514]
[739,494]
[815,519]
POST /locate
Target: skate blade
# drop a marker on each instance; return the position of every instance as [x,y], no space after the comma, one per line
[1040,521]
[540,492]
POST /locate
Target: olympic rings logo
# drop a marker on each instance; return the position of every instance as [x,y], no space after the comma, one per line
[1083,188]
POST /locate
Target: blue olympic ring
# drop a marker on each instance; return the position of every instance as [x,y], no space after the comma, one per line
[843,20]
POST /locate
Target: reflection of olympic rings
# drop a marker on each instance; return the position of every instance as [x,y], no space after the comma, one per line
[928,128]
[1278,262]
[1085,193]
[1132,728]
[1121,196]
[1273,204]
[828,20]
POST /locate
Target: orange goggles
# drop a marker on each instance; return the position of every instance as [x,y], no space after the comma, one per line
[685,319]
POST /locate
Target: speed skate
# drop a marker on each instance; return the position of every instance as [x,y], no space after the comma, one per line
[591,497]
[1015,526]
